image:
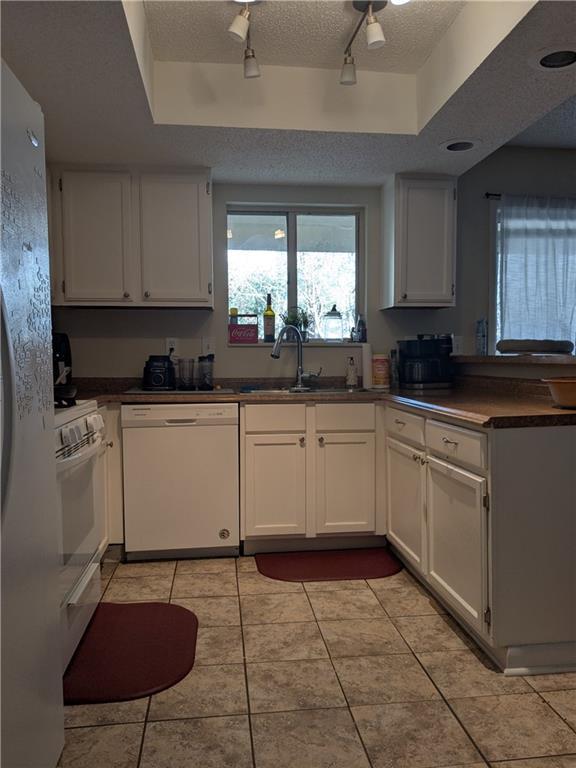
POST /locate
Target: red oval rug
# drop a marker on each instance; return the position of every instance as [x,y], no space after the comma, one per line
[329,565]
[131,650]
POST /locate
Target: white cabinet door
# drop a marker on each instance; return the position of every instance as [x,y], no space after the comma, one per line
[345,482]
[175,239]
[275,484]
[457,539]
[425,242]
[96,227]
[406,487]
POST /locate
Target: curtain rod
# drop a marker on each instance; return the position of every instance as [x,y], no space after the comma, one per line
[492,195]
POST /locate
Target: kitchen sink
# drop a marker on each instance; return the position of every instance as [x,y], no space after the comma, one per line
[312,391]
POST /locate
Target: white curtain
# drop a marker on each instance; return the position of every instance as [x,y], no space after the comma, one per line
[536,272]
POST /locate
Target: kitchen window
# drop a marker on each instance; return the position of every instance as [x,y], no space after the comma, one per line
[536,268]
[307,259]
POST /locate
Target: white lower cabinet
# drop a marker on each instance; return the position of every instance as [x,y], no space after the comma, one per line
[345,482]
[457,538]
[275,484]
[406,487]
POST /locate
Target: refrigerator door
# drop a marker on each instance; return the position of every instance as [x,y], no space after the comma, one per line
[31,687]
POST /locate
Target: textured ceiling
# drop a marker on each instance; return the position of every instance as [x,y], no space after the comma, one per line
[556,130]
[304,33]
[77,60]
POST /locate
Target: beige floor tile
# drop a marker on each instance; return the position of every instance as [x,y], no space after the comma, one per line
[253,583]
[219,645]
[408,601]
[212,742]
[138,588]
[283,642]
[559,682]
[362,637]
[323,738]
[271,609]
[156,568]
[562,761]
[384,679]
[212,611]
[246,564]
[205,585]
[213,690]
[346,604]
[515,726]
[206,565]
[113,746]
[432,633]
[106,714]
[422,734]
[460,674]
[398,580]
[564,702]
[335,586]
[278,686]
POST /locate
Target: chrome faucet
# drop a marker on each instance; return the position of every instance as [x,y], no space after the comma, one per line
[276,354]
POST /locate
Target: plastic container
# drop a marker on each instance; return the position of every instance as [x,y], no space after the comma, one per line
[333,330]
[381,372]
[206,372]
[186,373]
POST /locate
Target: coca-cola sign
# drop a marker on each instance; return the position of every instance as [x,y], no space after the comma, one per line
[242,334]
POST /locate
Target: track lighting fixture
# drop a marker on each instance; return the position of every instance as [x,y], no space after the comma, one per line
[348,72]
[238,30]
[374,32]
[251,66]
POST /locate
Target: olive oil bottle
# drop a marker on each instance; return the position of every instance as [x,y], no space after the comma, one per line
[269,321]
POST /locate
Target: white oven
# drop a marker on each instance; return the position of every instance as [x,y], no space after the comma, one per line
[81,477]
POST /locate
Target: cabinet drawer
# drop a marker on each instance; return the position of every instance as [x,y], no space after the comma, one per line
[338,417]
[404,425]
[460,445]
[275,418]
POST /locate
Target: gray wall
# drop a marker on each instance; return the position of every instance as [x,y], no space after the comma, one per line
[116,342]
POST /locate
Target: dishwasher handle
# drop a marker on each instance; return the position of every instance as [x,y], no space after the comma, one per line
[176,422]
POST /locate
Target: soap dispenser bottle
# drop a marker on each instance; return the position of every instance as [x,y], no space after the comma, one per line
[351,373]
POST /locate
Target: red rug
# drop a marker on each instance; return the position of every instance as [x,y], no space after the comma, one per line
[131,650]
[329,565]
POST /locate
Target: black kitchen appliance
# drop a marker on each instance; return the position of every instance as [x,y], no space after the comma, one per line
[64,389]
[425,362]
[159,373]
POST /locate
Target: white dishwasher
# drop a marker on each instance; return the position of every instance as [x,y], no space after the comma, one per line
[181,480]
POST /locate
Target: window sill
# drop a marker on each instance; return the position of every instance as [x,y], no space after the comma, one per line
[306,344]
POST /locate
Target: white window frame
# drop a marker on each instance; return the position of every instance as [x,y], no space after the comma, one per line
[291,212]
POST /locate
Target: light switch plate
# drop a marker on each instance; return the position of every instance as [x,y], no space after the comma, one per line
[208,345]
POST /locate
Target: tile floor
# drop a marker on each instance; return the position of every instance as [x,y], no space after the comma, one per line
[348,674]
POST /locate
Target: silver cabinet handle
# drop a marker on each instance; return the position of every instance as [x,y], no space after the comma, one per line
[110,444]
[321,441]
[449,442]
[302,441]
[146,294]
[415,457]
[126,295]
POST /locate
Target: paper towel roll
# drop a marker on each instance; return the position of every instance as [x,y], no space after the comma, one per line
[367,366]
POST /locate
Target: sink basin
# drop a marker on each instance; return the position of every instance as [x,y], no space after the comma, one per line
[314,391]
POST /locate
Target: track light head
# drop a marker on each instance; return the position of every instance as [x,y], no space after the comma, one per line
[348,72]
[374,33]
[251,66]
[238,30]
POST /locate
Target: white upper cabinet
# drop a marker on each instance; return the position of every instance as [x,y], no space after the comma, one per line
[419,242]
[125,238]
[175,240]
[96,236]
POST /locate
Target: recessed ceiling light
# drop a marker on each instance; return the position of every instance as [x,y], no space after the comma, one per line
[460,145]
[558,59]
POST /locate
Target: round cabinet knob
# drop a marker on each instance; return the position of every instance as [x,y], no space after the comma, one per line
[302,441]
[146,294]
[404,295]
[126,295]
[321,441]
[110,444]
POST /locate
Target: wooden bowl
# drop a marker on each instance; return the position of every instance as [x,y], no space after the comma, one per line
[563,391]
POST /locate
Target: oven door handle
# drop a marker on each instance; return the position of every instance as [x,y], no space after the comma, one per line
[73,462]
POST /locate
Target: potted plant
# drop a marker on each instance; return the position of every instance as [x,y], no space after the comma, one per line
[304,320]
[300,319]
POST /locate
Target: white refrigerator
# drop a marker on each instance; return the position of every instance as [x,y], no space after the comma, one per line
[32,733]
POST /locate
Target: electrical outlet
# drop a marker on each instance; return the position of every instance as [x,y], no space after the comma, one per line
[172,344]
[208,345]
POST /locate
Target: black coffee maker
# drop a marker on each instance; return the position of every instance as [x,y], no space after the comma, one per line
[159,374]
[64,389]
[425,362]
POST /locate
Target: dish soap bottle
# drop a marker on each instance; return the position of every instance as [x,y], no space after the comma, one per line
[351,373]
[269,321]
